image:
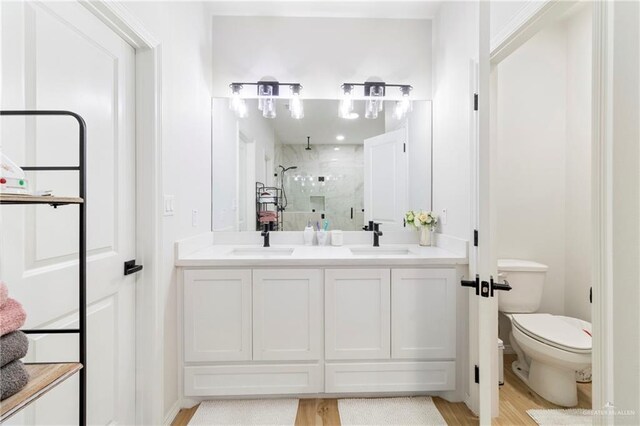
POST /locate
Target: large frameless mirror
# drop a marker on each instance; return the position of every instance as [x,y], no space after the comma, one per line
[285,173]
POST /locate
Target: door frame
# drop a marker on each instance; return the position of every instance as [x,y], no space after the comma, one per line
[601,178]
[149,327]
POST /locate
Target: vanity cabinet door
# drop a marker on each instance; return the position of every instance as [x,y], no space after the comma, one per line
[287,314]
[423,313]
[217,315]
[357,314]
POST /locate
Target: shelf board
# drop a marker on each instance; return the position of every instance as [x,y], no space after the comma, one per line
[43,378]
[33,199]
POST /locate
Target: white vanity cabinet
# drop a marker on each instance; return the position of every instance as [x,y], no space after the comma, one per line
[357,314]
[277,331]
[287,314]
[217,315]
[399,322]
[423,313]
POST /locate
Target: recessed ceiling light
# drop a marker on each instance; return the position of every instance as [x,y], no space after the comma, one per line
[340,137]
[336,149]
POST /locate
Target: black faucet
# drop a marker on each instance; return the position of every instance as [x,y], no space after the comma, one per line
[368,227]
[376,234]
[265,234]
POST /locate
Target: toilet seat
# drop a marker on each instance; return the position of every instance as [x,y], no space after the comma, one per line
[565,333]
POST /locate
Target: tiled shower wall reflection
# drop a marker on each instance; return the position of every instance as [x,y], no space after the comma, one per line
[326,176]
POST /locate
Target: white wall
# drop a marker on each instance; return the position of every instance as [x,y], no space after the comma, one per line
[531,145]
[322,53]
[184,30]
[578,248]
[544,161]
[455,45]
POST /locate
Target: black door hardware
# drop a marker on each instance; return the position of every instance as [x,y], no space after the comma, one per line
[499,286]
[473,284]
[484,288]
[130,267]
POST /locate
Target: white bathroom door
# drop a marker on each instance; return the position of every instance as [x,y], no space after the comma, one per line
[60,56]
[483,311]
[385,179]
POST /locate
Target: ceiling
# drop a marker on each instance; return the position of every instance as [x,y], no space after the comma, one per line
[328,8]
[322,123]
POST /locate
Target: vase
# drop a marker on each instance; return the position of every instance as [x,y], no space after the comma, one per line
[425,237]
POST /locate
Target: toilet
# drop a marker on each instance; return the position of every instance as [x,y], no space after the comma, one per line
[551,349]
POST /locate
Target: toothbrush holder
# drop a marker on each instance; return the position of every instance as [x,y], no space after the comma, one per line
[323,237]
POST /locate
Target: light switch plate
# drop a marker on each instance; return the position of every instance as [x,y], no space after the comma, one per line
[194,218]
[443,217]
[169,205]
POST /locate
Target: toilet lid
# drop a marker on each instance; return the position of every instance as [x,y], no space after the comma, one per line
[564,333]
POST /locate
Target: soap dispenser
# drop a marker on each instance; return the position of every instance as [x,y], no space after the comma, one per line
[308,234]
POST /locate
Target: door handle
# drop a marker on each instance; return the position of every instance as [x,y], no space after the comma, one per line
[499,286]
[130,267]
[473,284]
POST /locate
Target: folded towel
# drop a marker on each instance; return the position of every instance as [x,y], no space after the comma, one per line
[13,346]
[13,377]
[12,316]
[4,293]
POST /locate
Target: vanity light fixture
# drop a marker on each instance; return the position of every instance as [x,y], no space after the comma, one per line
[340,137]
[267,94]
[375,93]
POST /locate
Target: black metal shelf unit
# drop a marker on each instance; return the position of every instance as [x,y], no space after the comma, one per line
[82,241]
[269,196]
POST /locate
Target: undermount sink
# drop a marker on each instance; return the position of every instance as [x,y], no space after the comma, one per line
[380,251]
[262,251]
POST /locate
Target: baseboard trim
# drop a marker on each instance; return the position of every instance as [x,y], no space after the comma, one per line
[172,413]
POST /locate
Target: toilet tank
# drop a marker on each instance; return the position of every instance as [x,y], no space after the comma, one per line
[527,282]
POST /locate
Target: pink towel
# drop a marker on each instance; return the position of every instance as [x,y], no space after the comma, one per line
[4,293]
[12,316]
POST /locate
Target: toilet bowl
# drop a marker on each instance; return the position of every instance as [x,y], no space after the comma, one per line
[551,349]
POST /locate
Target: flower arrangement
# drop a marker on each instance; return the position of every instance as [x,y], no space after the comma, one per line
[422,219]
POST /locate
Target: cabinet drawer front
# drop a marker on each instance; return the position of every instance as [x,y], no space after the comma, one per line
[357,314]
[217,315]
[287,314]
[253,380]
[390,377]
[423,313]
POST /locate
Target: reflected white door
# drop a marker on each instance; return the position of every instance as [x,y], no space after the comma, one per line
[60,56]
[385,179]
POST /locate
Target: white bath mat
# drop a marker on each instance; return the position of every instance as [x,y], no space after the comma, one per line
[389,411]
[569,417]
[246,412]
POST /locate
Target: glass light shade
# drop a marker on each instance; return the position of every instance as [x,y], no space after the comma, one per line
[375,103]
[264,92]
[346,102]
[269,108]
[296,108]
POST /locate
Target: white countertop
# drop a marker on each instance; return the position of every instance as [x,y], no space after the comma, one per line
[223,256]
